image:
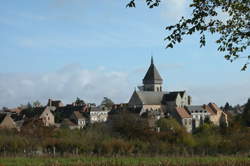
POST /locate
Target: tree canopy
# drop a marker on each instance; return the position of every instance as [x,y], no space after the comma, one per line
[107,102]
[79,102]
[234,32]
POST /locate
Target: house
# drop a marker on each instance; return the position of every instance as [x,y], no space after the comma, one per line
[184,118]
[217,116]
[55,103]
[47,117]
[192,117]
[98,114]
[79,119]
[68,123]
[6,122]
[14,110]
[198,113]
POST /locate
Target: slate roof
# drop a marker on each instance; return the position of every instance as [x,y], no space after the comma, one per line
[182,112]
[98,109]
[171,96]
[195,108]
[78,115]
[152,76]
[36,112]
[150,97]
[2,116]
[54,103]
[181,93]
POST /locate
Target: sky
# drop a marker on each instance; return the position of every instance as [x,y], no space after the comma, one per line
[63,49]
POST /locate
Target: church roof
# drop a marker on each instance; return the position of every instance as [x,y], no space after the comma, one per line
[152,75]
[150,97]
[171,96]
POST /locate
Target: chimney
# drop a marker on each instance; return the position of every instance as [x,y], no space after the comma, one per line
[50,102]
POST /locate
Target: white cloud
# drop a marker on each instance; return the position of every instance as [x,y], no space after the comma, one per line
[66,84]
[175,9]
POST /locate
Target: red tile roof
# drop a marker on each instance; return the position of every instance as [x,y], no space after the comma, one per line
[215,108]
[209,109]
[15,110]
[182,112]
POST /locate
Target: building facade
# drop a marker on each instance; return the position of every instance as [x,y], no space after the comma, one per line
[151,99]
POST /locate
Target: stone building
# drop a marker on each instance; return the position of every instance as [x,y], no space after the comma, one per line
[79,119]
[217,116]
[47,117]
[184,118]
[150,95]
[151,100]
[98,114]
[6,122]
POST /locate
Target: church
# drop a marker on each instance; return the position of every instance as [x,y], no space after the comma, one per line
[151,99]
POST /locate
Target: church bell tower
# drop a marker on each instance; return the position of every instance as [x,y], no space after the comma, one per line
[152,80]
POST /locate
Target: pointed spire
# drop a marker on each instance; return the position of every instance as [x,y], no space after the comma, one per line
[152,76]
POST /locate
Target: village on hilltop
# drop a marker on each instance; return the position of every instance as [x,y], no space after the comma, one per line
[149,101]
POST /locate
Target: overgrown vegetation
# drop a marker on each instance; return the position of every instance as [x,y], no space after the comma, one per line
[127,135]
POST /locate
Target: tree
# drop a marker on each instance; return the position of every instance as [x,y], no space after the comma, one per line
[130,126]
[227,107]
[79,102]
[37,104]
[169,124]
[247,106]
[106,102]
[234,33]
[246,114]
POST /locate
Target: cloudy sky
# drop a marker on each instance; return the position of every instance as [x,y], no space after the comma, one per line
[63,49]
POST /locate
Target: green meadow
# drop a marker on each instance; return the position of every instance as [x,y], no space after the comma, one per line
[126,161]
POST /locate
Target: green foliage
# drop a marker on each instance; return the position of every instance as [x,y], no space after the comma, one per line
[126,161]
[169,124]
[130,126]
[233,33]
[79,102]
[36,104]
[127,134]
[246,114]
[227,107]
[107,102]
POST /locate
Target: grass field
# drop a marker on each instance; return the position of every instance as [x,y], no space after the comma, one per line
[126,161]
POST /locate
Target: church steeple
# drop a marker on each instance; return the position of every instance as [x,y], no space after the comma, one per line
[152,80]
